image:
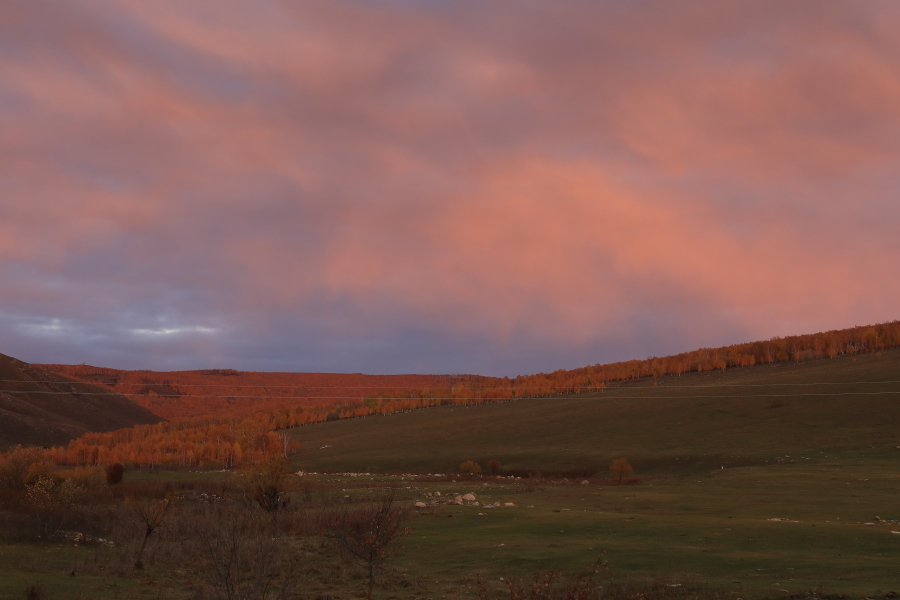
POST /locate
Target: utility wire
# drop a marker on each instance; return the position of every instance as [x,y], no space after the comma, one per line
[394,387]
[608,397]
[261,385]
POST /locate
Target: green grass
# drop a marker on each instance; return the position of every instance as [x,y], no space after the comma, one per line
[715,529]
[51,566]
[713,471]
[681,425]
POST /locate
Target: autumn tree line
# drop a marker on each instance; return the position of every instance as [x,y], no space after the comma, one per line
[223,418]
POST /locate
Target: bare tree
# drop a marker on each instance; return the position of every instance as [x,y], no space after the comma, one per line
[239,557]
[365,532]
[151,514]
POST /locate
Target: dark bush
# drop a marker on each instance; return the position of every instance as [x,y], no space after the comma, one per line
[114,473]
[35,592]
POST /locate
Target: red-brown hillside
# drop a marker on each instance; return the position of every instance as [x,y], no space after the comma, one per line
[225,392]
[224,418]
[40,408]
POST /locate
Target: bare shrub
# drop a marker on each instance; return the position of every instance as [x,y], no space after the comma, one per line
[151,514]
[365,532]
[35,592]
[494,466]
[238,555]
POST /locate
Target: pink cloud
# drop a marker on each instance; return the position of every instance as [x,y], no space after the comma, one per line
[563,175]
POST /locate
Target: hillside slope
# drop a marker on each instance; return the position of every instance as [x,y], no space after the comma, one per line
[219,392]
[39,408]
[846,406]
[227,418]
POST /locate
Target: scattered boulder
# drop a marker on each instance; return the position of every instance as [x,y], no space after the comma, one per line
[421,504]
[470,497]
[509,504]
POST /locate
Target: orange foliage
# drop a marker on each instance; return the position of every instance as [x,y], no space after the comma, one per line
[225,418]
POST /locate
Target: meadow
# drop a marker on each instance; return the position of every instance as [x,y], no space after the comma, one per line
[769,481]
[717,457]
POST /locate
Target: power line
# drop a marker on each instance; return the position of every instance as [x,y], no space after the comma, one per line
[394,387]
[231,397]
[261,385]
[725,385]
[608,396]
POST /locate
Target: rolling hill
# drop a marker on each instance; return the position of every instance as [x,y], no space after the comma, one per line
[765,470]
[749,416]
[225,418]
[219,392]
[40,408]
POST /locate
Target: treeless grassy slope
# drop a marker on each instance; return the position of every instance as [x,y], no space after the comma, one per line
[765,480]
[39,408]
[674,424]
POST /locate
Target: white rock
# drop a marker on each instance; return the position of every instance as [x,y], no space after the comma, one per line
[509,504]
[470,497]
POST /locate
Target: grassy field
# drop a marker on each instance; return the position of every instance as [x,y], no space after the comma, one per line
[762,482]
[717,456]
[735,418]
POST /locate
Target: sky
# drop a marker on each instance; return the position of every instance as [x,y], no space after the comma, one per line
[441,186]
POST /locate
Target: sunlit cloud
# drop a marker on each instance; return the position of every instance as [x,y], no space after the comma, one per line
[442,187]
[52,326]
[173,330]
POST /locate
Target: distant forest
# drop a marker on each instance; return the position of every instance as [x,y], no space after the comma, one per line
[224,418]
